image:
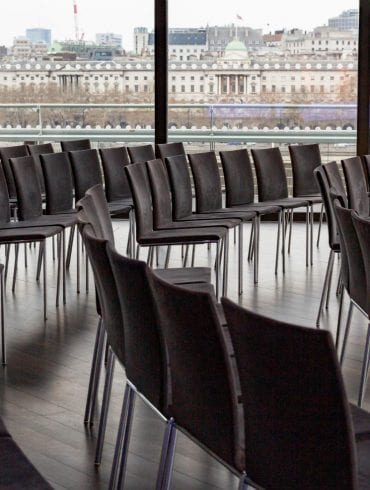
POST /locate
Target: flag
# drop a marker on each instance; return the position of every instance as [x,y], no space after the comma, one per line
[239,17]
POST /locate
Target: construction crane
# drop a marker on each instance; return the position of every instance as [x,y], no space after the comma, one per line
[75,14]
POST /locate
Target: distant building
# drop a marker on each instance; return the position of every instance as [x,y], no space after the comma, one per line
[24,49]
[109,39]
[346,21]
[183,44]
[218,37]
[3,51]
[273,39]
[141,38]
[38,35]
[322,40]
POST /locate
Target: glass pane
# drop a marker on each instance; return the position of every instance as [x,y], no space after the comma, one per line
[77,52]
[282,72]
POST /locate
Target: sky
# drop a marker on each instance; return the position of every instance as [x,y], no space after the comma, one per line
[121,16]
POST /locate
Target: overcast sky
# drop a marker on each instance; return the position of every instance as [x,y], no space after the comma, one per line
[121,16]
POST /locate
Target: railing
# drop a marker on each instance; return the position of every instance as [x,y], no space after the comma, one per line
[214,123]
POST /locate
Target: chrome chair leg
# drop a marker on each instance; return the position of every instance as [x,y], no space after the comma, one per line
[217,270]
[346,332]
[167,259]
[311,234]
[226,265]
[167,457]
[251,242]
[59,254]
[45,280]
[15,270]
[328,273]
[126,440]
[78,262]
[104,407]
[256,248]
[94,371]
[121,434]
[320,224]
[240,259]
[278,242]
[2,318]
[365,365]
[70,244]
[339,323]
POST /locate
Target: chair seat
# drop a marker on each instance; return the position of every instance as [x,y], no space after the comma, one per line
[170,237]
[311,198]
[258,208]
[120,206]
[28,234]
[16,470]
[184,275]
[181,225]
[208,216]
[361,422]
[63,220]
[287,203]
[234,214]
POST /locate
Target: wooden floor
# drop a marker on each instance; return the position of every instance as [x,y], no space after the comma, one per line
[43,387]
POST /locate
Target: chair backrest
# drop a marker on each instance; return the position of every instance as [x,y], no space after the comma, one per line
[207,181]
[141,153]
[145,362]
[362,228]
[74,145]
[304,158]
[86,170]
[58,179]
[356,183]
[344,267]
[180,183]
[161,194]
[335,180]
[366,164]
[270,173]
[203,399]
[323,184]
[298,429]
[99,212]
[114,160]
[109,302]
[36,151]
[352,251]
[164,150]
[140,188]
[27,187]
[7,152]
[4,199]
[238,175]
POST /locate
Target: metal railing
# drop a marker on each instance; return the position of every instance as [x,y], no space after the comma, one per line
[214,123]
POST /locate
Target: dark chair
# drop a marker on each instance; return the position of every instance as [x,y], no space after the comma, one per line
[201,393]
[114,161]
[362,228]
[208,199]
[56,168]
[7,152]
[16,469]
[141,153]
[334,245]
[147,236]
[21,232]
[239,187]
[335,181]
[352,257]
[162,205]
[164,150]
[297,421]
[358,197]
[304,159]
[96,214]
[75,145]
[36,151]
[87,173]
[30,206]
[273,188]
[116,186]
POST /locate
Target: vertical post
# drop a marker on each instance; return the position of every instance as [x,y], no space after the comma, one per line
[161,70]
[363,113]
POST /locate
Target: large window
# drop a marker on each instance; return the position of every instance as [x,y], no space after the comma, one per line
[285,68]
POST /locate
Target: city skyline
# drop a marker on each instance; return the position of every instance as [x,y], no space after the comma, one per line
[116,17]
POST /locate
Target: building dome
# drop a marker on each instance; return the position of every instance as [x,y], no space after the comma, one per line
[236,50]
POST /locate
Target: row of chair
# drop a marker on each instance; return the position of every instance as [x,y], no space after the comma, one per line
[348,212]
[265,398]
